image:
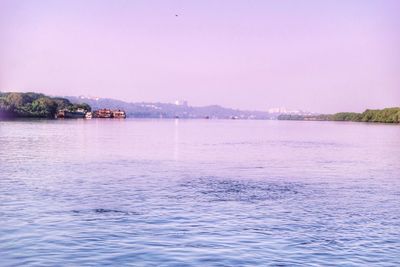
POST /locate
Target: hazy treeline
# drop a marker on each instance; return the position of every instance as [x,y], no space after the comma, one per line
[387,115]
[33,105]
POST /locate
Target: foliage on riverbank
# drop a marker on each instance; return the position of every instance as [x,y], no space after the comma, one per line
[34,105]
[387,115]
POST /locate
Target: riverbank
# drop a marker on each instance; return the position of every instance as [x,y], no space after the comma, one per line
[33,105]
[39,106]
[387,115]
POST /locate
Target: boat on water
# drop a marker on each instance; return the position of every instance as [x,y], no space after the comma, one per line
[108,113]
[119,114]
[103,113]
[74,114]
[89,115]
[68,114]
[82,113]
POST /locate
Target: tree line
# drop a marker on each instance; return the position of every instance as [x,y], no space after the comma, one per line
[386,115]
[34,105]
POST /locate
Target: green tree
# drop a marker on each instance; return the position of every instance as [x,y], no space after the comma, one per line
[34,105]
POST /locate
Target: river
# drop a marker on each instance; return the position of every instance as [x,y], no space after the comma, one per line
[199,193]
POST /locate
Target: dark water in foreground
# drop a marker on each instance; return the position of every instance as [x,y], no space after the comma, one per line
[199,192]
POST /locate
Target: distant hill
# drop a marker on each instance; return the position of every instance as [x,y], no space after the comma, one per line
[36,105]
[166,110]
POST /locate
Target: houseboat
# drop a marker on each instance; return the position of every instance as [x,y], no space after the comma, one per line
[66,114]
[103,113]
[119,114]
[74,114]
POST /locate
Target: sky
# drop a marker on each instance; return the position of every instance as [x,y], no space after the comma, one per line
[320,56]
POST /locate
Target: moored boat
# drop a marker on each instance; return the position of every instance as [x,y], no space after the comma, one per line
[89,115]
[119,114]
[108,113]
[68,114]
[74,114]
[103,113]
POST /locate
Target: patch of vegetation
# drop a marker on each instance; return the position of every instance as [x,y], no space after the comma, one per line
[387,115]
[34,105]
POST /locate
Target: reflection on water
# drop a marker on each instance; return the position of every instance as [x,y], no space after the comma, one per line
[176,140]
[199,192]
[241,190]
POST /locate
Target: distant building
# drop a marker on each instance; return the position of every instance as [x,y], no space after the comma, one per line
[277,110]
[181,103]
[283,110]
[89,97]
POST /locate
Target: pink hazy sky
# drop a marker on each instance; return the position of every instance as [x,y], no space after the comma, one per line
[322,56]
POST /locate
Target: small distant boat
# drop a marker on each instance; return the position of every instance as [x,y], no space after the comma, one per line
[103,113]
[66,114]
[108,113]
[89,115]
[119,114]
[74,114]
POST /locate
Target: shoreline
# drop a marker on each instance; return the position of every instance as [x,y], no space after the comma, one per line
[185,119]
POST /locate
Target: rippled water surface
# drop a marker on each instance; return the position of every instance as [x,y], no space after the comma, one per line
[199,193]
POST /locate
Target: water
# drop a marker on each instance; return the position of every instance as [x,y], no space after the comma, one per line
[199,193]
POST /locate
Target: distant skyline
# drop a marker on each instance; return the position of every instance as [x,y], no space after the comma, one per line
[320,56]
